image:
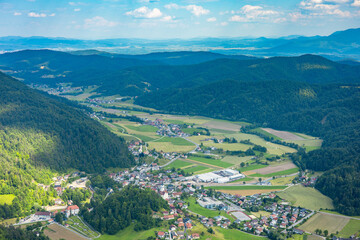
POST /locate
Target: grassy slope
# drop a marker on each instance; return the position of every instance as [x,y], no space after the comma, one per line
[306,197]
[352,227]
[178,164]
[212,161]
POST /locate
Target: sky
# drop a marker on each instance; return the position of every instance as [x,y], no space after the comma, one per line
[166,19]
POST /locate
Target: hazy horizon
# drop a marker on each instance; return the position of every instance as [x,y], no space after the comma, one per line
[185,19]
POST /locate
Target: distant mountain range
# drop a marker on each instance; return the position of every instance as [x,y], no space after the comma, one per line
[341,44]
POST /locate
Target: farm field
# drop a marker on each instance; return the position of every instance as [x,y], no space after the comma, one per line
[280,173]
[306,197]
[271,147]
[129,233]
[233,234]
[282,181]
[235,160]
[276,168]
[178,164]
[169,147]
[6,199]
[57,232]
[211,161]
[252,167]
[352,227]
[196,169]
[222,125]
[247,190]
[282,134]
[324,222]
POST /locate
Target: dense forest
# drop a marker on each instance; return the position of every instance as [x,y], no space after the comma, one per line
[39,135]
[12,233]
[330,111]
[122,208]
[133,75]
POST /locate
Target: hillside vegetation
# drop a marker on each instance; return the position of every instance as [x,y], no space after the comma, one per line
[134,75]
[40,135]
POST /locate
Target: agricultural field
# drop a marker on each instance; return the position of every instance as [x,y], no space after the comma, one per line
[235,160]
[247,190]
[306,197]
[178,164]
[190,167]
[325,222]
[308,142]
[130,233]
[352,227]
[57,232]
[282,181]
[169,147]
[211,161]
[233,234]
[280,173]
[196,169]
[6,199]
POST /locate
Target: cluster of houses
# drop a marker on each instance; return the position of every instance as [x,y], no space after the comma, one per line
[219,221]
[170,130]
[60,89]
[282,215]
[179,230]
[141,176]
[138,148]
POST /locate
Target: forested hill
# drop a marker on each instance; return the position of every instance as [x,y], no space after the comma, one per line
[143,73]
[39,135]
[50,133]
[330,111]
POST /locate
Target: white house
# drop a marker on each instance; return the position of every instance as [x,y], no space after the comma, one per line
[72,210]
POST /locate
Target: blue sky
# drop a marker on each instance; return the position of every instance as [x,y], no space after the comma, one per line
[163,19]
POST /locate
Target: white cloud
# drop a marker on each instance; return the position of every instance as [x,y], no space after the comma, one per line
[169,19]
[36,15]
[194,9]
[212,19]
[325,7]
[52,15]
[356,3]
[197,10]
[224,24]
[250,13]
[253,12]
[296,16]
[280,20]
[77,10]
[17,14]
[98,22]
[145,12]
[237,18]
[172,6]
[76,3]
